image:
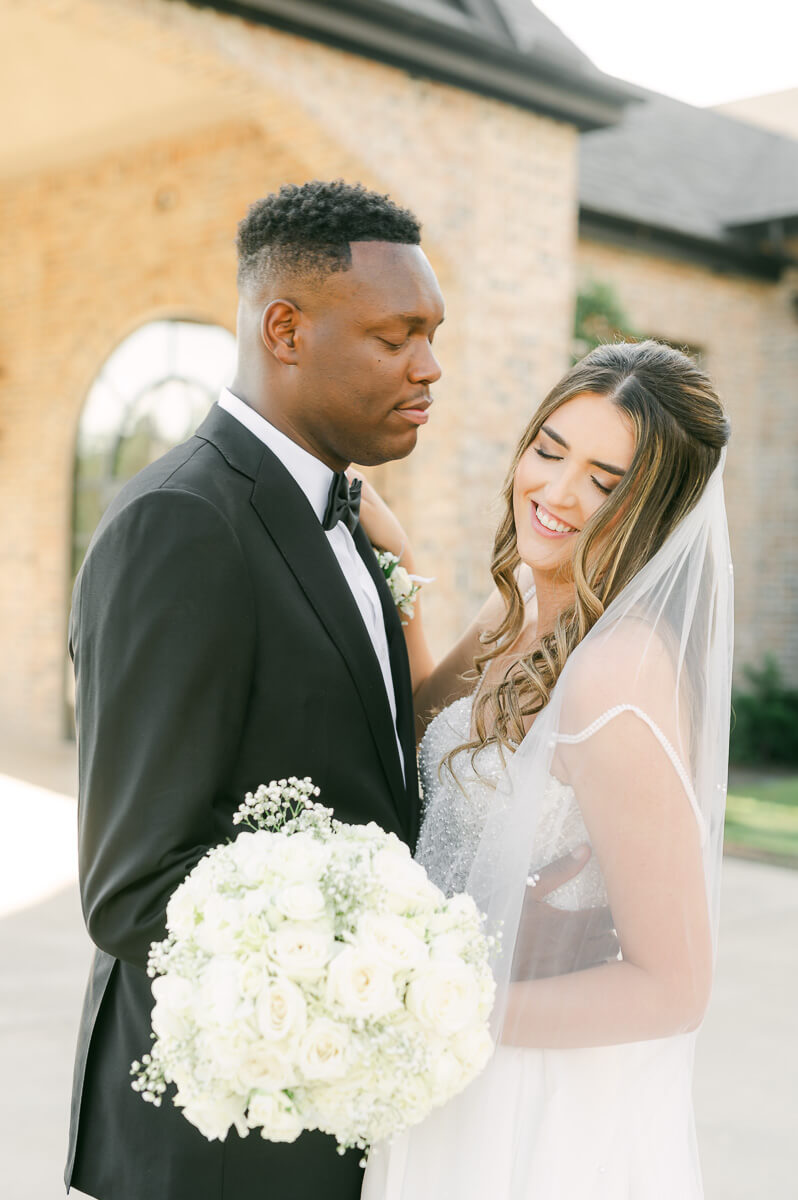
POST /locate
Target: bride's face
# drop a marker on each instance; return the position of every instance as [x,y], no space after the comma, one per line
[566,473]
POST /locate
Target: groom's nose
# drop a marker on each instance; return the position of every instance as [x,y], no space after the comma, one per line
[424,366]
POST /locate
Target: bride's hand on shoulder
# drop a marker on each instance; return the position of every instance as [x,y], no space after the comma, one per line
[380,523]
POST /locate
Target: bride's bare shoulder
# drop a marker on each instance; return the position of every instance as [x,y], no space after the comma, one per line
[630,661]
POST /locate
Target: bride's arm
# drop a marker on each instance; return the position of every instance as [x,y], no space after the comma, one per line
[452,676]
[647,840]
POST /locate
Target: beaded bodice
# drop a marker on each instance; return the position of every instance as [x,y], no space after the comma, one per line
[455,811]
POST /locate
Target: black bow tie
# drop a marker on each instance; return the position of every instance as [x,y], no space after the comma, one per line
[343,502]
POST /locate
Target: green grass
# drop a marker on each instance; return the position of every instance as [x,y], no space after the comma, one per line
[763,815]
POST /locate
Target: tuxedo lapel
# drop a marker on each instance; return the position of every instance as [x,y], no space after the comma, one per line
[240,448]
[289,519]
[400,670]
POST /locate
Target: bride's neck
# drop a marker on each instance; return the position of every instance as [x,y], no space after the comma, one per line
[553,595]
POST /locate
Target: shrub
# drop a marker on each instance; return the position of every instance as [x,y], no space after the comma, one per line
[599,317]
[764,719]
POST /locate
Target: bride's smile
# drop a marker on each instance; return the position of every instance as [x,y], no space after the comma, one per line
[566,473]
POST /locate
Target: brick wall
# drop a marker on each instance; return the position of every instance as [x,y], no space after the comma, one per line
[748,333]
[97,251]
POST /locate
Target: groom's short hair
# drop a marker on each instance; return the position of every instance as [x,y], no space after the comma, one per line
[307,230]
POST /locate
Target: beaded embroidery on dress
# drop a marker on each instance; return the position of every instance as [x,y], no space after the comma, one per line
[455,812]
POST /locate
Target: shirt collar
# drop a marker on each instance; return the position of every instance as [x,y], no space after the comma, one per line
[312,475]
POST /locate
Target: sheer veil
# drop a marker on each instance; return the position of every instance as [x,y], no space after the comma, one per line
[636,730]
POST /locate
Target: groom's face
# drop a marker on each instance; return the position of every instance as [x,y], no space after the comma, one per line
[365,354]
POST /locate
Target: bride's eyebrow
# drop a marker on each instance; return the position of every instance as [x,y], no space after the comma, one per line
[560,440]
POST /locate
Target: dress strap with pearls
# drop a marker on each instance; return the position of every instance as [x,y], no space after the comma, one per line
[678,765]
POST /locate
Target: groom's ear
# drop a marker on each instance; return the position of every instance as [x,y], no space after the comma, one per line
[278,330]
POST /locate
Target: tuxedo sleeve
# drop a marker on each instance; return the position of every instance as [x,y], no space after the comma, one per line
[163,630]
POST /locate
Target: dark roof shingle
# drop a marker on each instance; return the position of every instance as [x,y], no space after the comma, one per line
[691,170]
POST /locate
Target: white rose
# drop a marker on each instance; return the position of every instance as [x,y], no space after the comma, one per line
[440,922]
[414,1099]
[301,951]
[220,990]
[213,1115]
[418,924]
[173,991]
[181,912]
[372,832]
[222,918]
[253,854]
[473,1048]
[301,857]
[300,902]
[389,939]
[458,913]
[401,583]
[280,1010]
[174,997]
[332,1102]
[361,984]
[445,1075]
[324,1050]
[277,1116]
[220,1054]
[257,902]
[463,907]
[168,1024]
[255,970]
[264,1067]
[444,997]
[390,842]
[448,946]
[201,880]
[406,882]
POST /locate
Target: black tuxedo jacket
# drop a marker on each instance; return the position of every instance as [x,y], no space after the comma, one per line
[217,646]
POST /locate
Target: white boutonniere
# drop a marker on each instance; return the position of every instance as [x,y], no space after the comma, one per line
[404,586]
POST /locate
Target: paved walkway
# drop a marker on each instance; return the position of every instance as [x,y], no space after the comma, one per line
[747,1063]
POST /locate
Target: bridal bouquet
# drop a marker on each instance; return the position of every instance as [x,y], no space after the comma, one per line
[313,977]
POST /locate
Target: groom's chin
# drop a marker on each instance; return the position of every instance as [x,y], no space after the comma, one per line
[389,451]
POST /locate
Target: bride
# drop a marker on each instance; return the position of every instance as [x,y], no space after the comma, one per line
[599,719]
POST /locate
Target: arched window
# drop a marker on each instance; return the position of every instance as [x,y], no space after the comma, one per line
[150,394]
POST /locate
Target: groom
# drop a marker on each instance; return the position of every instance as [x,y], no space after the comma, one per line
[230,626]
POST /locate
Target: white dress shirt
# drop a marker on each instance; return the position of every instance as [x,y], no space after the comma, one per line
[314,478]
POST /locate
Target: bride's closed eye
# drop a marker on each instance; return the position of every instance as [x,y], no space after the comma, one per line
[558,457]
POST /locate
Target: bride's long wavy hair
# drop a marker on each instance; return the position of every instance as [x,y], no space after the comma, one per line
[680,429]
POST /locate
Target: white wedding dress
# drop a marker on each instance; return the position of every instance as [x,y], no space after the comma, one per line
[599,1123]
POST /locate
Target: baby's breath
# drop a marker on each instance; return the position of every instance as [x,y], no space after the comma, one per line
[277,805]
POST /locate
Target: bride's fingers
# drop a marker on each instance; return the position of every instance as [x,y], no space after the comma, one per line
[549,878]
[368,494]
